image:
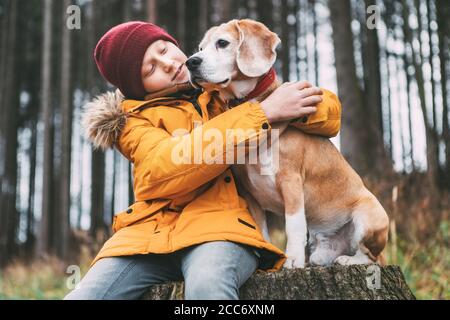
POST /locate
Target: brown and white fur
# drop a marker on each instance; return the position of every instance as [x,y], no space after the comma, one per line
[314,187]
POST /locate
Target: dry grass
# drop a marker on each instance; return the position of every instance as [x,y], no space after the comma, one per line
[425,265]
[419,237]
[43,279]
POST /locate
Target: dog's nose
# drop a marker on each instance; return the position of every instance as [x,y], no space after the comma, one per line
[193,63]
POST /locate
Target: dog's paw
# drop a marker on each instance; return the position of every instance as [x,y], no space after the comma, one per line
[293,262]
[343,260]
[351,260]
[320,258]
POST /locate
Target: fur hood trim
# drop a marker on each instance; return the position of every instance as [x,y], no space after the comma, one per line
[103,120]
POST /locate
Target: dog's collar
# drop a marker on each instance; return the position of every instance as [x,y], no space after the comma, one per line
[263,84]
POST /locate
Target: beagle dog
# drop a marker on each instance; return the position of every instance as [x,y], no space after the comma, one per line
[314,187]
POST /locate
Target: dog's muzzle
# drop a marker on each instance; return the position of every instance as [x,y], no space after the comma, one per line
[194,63]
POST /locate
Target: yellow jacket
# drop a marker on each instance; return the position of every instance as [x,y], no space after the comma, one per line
[183,204]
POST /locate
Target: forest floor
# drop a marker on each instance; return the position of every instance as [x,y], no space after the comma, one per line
[419,242]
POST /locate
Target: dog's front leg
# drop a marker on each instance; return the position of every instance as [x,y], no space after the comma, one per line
[296,229]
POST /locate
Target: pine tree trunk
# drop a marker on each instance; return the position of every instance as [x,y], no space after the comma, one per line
[443,16]
[265,12]
[410,113]
[225,10]
[8,142]
[152,11]
[66,139]
[193,20]
[432,54]
[29,244]
[203,16]
[386,17]
[285,43]
[354,129]
[181,23]
[431,136]
[113,188]
[312,5]
[380,162]
[97,229]
[47,119]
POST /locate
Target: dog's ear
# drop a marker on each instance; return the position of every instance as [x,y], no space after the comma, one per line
[257,44]
[206,38]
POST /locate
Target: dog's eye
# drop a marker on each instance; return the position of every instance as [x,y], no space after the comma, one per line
[222,43]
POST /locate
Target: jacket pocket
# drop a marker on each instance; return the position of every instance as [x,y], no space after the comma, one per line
[139,212]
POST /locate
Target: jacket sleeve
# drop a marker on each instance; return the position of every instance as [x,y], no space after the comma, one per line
[159,170]
[327,119]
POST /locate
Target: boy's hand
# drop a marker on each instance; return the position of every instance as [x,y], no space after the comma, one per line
[291,100]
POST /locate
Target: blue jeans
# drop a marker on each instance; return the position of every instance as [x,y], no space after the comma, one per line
[212,270]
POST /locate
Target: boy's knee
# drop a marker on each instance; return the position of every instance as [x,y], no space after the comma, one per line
[82,294]
[210,284]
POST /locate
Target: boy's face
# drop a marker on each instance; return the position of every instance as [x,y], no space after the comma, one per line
[163,66]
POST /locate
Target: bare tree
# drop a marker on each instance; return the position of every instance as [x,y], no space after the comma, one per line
[97,228]
[285,43]
[204,21]
[443,17]
[430,133]
[265,12]
[8,141]
[362,130]
[356,126]
[406,64]
[47,119]
[152,11]
[181,23]
[312,10]
[431,61]
[225,10]
[66,138]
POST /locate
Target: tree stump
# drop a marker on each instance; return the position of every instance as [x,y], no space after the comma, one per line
[359,282]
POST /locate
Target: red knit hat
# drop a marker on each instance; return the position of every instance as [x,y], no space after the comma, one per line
[120,52]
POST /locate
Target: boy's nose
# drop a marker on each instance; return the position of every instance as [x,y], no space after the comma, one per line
[193,63]
[167,64]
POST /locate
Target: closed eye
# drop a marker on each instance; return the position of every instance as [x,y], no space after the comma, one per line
[150,72]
